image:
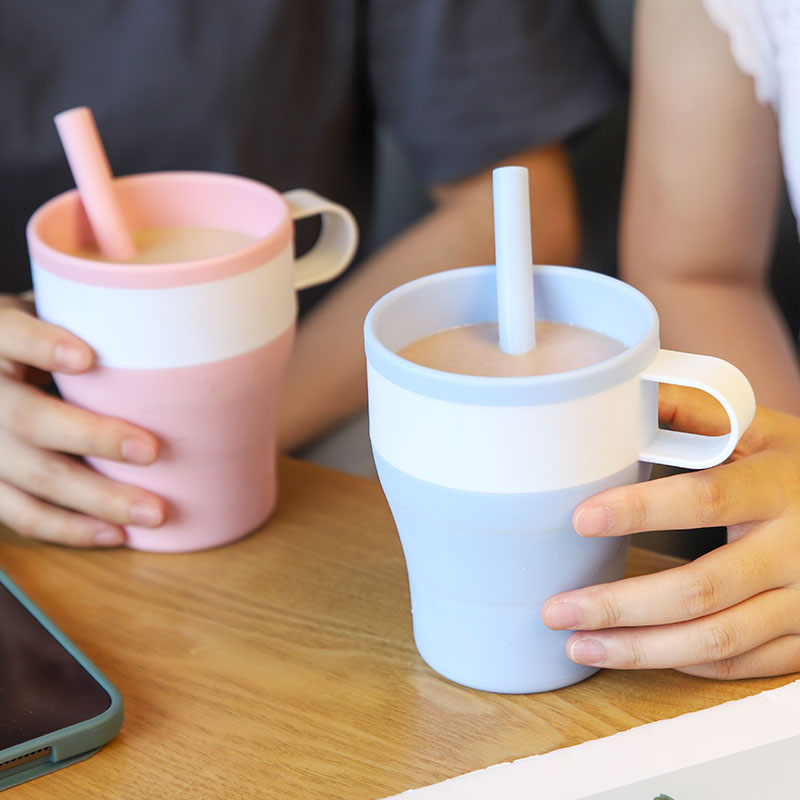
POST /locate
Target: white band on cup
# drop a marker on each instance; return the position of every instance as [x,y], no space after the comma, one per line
[158,328]
[508,449]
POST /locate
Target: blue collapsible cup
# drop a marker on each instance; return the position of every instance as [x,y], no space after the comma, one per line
[482,474]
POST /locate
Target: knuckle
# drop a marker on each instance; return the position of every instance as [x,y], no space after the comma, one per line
[47,478]
[27,523]
[35,521]
[70,530]
[24,415]
[712,497]
[726,669]
[107,501]
[637,652]
[637,511]
[611,611]
[719,642]
[699,594]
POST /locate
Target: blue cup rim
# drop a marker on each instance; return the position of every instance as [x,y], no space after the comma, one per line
[534,389]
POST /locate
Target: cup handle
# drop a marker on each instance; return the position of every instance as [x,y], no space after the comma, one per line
[337,242]
[722,381]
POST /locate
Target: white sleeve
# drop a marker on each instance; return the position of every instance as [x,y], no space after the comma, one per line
[750,42]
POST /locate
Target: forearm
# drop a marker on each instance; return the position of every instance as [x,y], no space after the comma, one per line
[700,199]
[736,321]
[327,374]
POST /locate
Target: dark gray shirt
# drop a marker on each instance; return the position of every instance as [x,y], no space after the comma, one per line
[287,92]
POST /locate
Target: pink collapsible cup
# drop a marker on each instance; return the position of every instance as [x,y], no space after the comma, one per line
[193,351]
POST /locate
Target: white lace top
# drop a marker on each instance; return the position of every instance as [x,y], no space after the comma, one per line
[765,42]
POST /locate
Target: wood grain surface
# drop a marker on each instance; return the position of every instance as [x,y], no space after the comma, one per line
[283,666]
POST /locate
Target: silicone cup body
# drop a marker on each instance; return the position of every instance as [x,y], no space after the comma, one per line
[192,351]
[482,474]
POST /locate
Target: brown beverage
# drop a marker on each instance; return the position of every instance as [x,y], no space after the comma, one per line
[475,350]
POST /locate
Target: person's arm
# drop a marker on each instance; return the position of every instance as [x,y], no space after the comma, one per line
[699,219]
[327,373]
[700,198]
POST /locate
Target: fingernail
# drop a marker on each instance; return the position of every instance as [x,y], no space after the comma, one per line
[146,513]
[587,651]
[71,358]
[562,615]
[137,451]
[108,537]
[594,520]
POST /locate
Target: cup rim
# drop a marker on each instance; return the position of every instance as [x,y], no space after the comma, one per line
[523,390]
[101,272]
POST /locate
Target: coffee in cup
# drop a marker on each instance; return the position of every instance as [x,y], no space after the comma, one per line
[475,350]
[164,245]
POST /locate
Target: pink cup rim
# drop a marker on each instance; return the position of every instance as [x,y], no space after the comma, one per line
[251,203]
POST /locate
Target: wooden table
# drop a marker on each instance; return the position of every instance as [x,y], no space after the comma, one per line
[283,666]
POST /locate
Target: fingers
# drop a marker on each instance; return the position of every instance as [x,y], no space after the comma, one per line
[45,422]
[27,340]
[778,657]
[22,301]
[44,493]
[743,491]
[731,613]
[35,519]
[711,639]
[68,483]
[694,411]
[720,579]
[691,410]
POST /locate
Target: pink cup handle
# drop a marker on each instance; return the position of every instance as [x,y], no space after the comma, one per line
[337,242]
[722,381]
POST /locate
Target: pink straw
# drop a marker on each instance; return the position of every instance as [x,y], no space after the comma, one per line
[92,173]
